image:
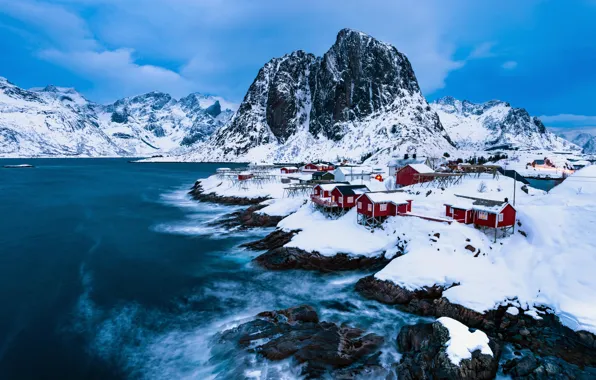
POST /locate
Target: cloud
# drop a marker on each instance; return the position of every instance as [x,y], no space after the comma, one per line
[118,70]
[569,119]
[509,65]
[484,50]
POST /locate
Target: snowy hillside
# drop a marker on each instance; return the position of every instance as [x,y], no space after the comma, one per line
[55,121]
[360,100]
[494,125]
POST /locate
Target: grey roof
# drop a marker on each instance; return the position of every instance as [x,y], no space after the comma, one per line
[349,189]
[483,202]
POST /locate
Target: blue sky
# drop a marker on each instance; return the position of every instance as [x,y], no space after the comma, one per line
[536,54]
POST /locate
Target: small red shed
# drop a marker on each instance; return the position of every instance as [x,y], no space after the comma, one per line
[243,176]
[374,208]
[406,176]
[289,170]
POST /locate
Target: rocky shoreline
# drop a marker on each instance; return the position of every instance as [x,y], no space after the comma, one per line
[544,337]
[197,193]
[296,333]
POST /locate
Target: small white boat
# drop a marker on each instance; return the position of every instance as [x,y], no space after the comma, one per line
[18,166]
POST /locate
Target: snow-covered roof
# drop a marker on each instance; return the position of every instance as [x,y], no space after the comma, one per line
[389,197]
[290,168]
[470,203]
[328,186]
[421,168]
[245,173]
[354,170]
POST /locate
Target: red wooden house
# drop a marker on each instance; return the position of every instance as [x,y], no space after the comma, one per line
[482,212]
[289,170]
[346,195]
[374,208]
[407,175]
[317,167]
[243,176]
[336,197]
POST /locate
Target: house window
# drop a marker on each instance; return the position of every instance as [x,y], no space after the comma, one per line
[359,205]
[350,199]
[451,210]
[383,207]
[316,191]
[500,217]
[483,215]
[369,207]
[340,200]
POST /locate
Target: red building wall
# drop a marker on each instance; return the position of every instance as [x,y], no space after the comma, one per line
[508,216]
[344,199]
[318,191]
[391,209]
[405,176]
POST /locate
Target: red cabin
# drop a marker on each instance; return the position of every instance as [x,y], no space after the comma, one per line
[346,195]
[374,208]
[482,212]
[317,167]
[243,176]
[289,170]
[406,176]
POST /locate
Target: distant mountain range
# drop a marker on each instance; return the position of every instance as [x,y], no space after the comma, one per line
[584,137]
[55,121]
[360,100]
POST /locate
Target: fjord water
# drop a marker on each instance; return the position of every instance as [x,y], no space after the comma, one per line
[109,270]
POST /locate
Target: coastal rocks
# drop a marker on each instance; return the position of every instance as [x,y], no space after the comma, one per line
[545,336]
[284,258]
[276,239]
[248,218]
[535,368]
[297,333]
[424,349]
[197,193]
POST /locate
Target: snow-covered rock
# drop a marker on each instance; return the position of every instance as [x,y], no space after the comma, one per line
[495,125]
[57,121]
[360,100]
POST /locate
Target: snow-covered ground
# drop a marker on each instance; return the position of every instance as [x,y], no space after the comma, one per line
[519,161]
[552,266]
[462,342]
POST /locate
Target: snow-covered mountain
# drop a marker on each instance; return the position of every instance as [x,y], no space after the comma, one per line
[585,140]
[361,99]
[494,125]
[55,121]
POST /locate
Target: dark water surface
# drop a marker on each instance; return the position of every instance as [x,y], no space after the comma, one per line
[108,270]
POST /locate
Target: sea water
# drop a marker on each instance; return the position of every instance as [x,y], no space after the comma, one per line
[109,270]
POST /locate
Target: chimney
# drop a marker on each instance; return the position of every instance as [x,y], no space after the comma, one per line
[506,200]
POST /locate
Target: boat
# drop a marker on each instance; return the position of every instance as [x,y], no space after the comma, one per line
[18,166]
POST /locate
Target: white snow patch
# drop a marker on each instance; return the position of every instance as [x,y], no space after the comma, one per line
[462,342]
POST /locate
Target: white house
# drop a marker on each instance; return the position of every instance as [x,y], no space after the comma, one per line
[352,173]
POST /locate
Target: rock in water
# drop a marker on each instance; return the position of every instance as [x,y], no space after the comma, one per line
[297,333]
[424,348]
[533,367]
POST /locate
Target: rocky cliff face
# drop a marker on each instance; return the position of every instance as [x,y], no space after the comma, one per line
[56,121]
[586,141]
[494,125]
[360,99]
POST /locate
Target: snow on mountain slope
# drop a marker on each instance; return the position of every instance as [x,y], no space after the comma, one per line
[494,124]
[56,121]
[360,100]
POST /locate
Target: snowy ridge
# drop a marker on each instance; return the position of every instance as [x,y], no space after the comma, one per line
[360,100]
[494,124]
[57,121]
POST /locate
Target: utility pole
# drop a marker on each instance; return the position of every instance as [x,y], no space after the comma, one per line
[514,185]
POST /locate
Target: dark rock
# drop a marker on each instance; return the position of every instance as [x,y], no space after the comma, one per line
[547,335]
[276,239]
[533,367]
[471,248]
[297,333]
[284,258]
[196,192]
[248,218]
[424,356]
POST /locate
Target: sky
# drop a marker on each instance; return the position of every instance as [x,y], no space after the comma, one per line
[535,54]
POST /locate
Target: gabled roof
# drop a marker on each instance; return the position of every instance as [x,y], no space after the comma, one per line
[320,174]
[352,189]
[395,197]
[290,168]
[539,162]
[421,168]
[328,186]
[480,204]
[354,170]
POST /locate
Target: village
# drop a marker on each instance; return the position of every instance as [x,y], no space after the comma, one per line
[440,223]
